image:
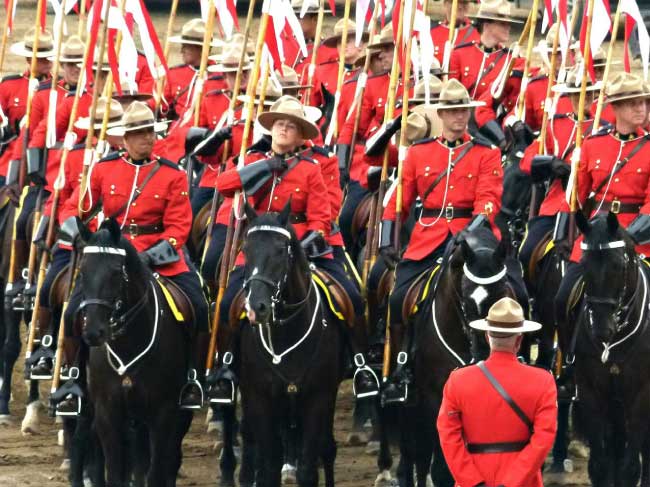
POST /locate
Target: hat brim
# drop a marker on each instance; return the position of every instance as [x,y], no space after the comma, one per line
[563,88]
[83,124]
[497,18]
[430,112]
[449,106]
[332,41]
[312,11]
[361,60]
[380,45]
[132,97]
[525,327]
[121,130]
[180,40]
[19,49]
[630,96]
[64,59]
[220,68]
[267,101]
[308,129]
[295,87]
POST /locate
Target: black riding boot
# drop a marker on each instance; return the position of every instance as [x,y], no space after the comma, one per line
[192,392]
[40,362]
[67,398]
[395,389]
[364,381]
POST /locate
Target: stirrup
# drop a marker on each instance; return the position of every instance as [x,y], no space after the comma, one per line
[402,358]
[361,365]
[222,375]
[69,388]
[192,381]
[44,352]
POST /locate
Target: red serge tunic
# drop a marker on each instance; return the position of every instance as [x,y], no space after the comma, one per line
[473,412]
[600,154]
[440,35]
[560,141]
[164,199]
[476,182]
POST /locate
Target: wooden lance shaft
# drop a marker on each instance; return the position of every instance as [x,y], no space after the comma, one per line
[529,54]
[5,35]
[205,53]
[234,226]
[232,104]
[498,92]
[314,52]
[608,64]
[160,85]
[450,40]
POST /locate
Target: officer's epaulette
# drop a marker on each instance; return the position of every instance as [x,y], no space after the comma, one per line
[465,44]
[321,150]
[168,163]
[607,129]
[423,141]
[377,75]
[10,77]
[308,159]
[480,140]
[45,85]
[353,79]
[112,156]
[517,73]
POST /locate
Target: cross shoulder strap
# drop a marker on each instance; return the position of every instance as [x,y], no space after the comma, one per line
[506,397]
[441,176]
[138,191]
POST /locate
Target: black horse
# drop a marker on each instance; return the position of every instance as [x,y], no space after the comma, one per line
[136,367]
[290,357]
[612,354]
[473,278]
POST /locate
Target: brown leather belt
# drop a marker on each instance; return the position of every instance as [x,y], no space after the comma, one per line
[298,218]
[448,212]
[618,207]
[505,447]
[134,230]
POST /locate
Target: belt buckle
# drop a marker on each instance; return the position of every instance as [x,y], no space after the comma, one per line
[133,229]
[615,207]
[449,212]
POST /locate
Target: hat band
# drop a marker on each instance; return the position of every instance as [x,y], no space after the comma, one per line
[117,118]
[462,101]
[185,37]
[627,94]
[505,324]
[142,123]
[40,48]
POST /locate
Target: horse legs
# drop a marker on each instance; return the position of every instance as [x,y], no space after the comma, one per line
[248,456]
[384,457]
[316,421]
[595,427]
[424,433]
[111,431]
[268,443]
[11,350]
[228,461]
[636,432]
[440,473]
[160,442]
[183,423]
[328,455]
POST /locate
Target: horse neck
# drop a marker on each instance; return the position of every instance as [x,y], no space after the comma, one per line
[449,315]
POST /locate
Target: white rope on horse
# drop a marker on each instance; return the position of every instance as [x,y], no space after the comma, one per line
[110,354]
[484,281]
[442,340]
[277,358]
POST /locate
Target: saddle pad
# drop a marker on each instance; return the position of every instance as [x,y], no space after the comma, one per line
[425,290]
[178,316]
[328,296]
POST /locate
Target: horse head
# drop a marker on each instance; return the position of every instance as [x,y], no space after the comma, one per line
[483,280]
[273,254]
[609,273]
[105,282]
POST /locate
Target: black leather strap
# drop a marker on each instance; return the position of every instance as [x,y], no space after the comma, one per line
[488,69]
[449,212]
[453,163]
[506,397]
[134,229]
[503,447]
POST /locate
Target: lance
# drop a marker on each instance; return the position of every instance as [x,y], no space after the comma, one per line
[610,53]
[333,129]
[170,28]
[82,18]
[225,153]
[88,154]
[575,157]
[35,323]
[400,165]
[375,209]
[31,89]
[314,52]
[361,84]
[234,221]
[451,40]
[529,54]
[549,106]
[5,33]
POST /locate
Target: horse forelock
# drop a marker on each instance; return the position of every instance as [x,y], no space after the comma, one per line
[104,238]
[271,219]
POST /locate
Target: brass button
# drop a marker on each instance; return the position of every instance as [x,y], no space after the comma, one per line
[133,204]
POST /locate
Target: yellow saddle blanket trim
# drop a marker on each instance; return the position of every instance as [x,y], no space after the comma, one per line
[549,247]
[178,316]
[328,296]
[425,291]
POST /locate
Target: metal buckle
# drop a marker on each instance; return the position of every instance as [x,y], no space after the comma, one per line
[133,229]
[615,207]
[449,212]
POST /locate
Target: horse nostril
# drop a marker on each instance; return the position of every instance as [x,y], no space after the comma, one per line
[261,308]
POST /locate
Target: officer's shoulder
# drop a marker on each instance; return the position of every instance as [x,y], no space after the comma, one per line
[426,140]
[435,23]
[352,79]
[306,158]
[167,163]
[11,77]
[321,151]
[606,130]
[464,45]
[45,85]
[215,92]
[483,142]
[112,156]
[559,116]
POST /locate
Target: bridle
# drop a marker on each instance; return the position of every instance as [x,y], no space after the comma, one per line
[119,320]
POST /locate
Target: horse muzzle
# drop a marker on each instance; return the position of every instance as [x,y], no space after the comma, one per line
[94,337]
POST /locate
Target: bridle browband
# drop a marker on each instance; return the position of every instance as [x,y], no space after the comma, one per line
[484,281]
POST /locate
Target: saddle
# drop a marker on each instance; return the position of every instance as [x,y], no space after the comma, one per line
[418,292]
[540,251]
[361,215]
[178,302]
[200,225]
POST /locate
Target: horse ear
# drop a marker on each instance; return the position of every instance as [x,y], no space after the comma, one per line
[249,211]
[582,223]
[84,231]
[466,251]
[284,214]
[612,223]
[114,228]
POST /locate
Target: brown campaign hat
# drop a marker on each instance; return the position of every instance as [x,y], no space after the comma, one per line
[505,316]
[25,47]
[625,86]
[289,108]
[114,116]
[384,38]
[455,95]
[72,50]
[273,92]
[334,39]
[130,93]
[419,91]
[496,10]
[313,114]
[137,116]
[193,32]
[105,64]
[228,62]
[308,7]
[289,79]
[573,83]
[429,112]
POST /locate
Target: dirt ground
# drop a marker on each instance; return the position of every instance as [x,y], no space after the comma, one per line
[34,460]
